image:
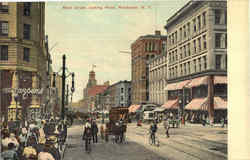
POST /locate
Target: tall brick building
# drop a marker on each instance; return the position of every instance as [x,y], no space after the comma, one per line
[143,49]
[23,55]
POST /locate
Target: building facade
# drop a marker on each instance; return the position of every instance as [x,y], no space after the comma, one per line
[23,57]
[158,78]
[143,49]
[197,54]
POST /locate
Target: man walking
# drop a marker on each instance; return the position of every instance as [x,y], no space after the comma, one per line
[94,129]
[166,126]
[153,130]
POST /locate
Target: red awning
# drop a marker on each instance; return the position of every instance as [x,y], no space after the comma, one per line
[171,104]
[133,108]
[219,104]
[177,86]
[197,82]
[196,104]
[220,79]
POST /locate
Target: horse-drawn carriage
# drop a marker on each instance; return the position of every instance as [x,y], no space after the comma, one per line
[117,126]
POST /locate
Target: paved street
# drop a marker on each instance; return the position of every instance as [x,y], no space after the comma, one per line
[191,142]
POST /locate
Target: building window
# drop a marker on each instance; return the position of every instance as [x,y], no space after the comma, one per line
[226,62]
[204,18]
[184,48]
[199,43]
[176,36]
[199,62]
[181,53]
[185,69]
[146,46]
[194,24]
[194,42]
[26,8]
[220,17]
[4,8]
[26,31]
[26,54]
[199,22]
[218,61]
[176,55]
[176,73]
[194,65]
[188,67]
[121,98]
[122,90]
[189,52]
[220,40]
[180,33]
[205,62]
[4,28]
[184,29]
[181,69]
[188,29]
[204,42]
[153,46]
[3,53]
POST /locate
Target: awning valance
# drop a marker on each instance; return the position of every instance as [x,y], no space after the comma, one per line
[133,108]
[219,104]
[177,86]
[159,109]
[198,81]
[220,79]
[171,104]
[196,104]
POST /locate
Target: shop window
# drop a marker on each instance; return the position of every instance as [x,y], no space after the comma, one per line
[26,8]
[4,7]
[4,28]
[26,54]
[3,52]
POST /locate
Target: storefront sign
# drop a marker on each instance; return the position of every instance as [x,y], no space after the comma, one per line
[24,91]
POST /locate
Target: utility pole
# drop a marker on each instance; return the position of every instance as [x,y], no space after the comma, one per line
[63,85]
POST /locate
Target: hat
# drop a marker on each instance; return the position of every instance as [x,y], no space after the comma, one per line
[52,138]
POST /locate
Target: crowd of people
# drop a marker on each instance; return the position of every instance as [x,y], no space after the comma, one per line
[34,140]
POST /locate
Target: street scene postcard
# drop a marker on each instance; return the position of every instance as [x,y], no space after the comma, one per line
[109,80]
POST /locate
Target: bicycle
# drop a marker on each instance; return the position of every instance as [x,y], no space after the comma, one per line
[157,142]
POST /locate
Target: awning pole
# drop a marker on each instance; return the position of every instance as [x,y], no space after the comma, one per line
[211,98]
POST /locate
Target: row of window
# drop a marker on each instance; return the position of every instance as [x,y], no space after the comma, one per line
[158,72]
[158,61]
[4,30]
[4,53]
[199,65]
[185,30]
[185,50]
[150,46]
[4,8]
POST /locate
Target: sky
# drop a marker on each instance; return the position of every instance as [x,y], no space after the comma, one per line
[94,32]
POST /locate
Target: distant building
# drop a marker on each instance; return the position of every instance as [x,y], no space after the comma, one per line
[197,56]
[143,49]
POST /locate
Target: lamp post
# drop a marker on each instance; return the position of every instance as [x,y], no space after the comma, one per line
[64,76]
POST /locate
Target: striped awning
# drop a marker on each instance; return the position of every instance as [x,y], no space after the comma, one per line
[171,104]
[196,104]
[220,79]
[219,104]
[133,108]
[198,82]
[177,86]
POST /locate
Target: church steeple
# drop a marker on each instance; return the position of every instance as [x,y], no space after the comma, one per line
[92,80]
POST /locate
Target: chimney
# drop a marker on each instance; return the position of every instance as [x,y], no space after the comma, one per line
[157,33]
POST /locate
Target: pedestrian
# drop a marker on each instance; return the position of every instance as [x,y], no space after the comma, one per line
[153,130]
[50,148]
[11,153]
[94,130]
[102,131]
[87,135]
[166,126]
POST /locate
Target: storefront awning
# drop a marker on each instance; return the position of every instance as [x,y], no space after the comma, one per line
[159,109]
[196,104]
[171,104]
[176,86]
[133,108]
[219,104]
[197,82]
[220,79]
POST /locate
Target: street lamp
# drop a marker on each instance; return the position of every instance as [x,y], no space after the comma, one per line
[64,76]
